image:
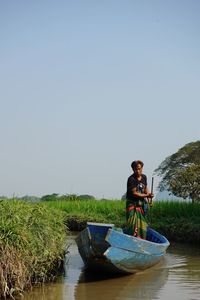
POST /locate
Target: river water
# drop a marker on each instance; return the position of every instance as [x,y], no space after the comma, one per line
[177,276]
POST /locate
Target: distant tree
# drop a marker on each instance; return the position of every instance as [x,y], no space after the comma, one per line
[180,172]
[52,197]
[86,197]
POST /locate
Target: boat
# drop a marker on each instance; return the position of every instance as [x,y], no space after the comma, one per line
[105,247]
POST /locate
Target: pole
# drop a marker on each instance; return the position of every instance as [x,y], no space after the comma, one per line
[151,201]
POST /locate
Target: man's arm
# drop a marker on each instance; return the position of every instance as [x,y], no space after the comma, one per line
[146,193]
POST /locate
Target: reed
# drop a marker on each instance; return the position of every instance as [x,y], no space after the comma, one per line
[32,240]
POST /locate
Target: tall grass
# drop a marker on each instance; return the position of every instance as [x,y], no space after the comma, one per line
[176,209]
[179,221]
[109,211]
[32,238]
[114,210]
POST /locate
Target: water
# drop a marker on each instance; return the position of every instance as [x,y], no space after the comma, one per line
[177,276]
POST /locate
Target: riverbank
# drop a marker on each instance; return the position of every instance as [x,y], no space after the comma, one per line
[32,241]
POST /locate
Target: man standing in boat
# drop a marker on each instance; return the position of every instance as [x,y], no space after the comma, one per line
[137,196]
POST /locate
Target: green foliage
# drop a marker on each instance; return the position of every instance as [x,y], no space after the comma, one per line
[180,172]
[51,197]
[67,197]
[106,211]
[186,183]
[179,221]
[32,238]
[175,209]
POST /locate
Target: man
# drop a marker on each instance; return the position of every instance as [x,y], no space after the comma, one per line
[137,196]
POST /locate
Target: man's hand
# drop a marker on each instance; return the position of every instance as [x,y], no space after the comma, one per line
[149,198]
[150,195]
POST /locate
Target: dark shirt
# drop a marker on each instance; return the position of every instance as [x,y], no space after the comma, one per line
[140,186]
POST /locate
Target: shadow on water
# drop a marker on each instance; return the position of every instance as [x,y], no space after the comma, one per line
[89,276]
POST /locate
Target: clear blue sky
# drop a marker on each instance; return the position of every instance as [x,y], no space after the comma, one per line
[89,86]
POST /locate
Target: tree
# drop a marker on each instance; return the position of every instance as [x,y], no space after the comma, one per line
[180,172]
[52,197]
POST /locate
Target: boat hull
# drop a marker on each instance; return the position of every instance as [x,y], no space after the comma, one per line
[104,248]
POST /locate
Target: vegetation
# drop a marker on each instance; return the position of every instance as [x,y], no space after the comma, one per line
[67,197]
[32,238]
[179,221]
[33,235]
[79,212]
[180,172]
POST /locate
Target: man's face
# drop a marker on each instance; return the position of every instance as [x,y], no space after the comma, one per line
[138,170]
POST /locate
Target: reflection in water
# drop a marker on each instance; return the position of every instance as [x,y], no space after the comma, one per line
[143,285]
[51,291]
[184,274]
[73,268]
[176,276]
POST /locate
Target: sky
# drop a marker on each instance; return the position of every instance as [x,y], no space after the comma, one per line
[86,87]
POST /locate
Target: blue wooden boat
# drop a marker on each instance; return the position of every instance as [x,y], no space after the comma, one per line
[104,247]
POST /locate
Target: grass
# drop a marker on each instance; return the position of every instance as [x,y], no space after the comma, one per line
[32,238]
[176,209]
[114,210]
[109,211]
[179,221]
